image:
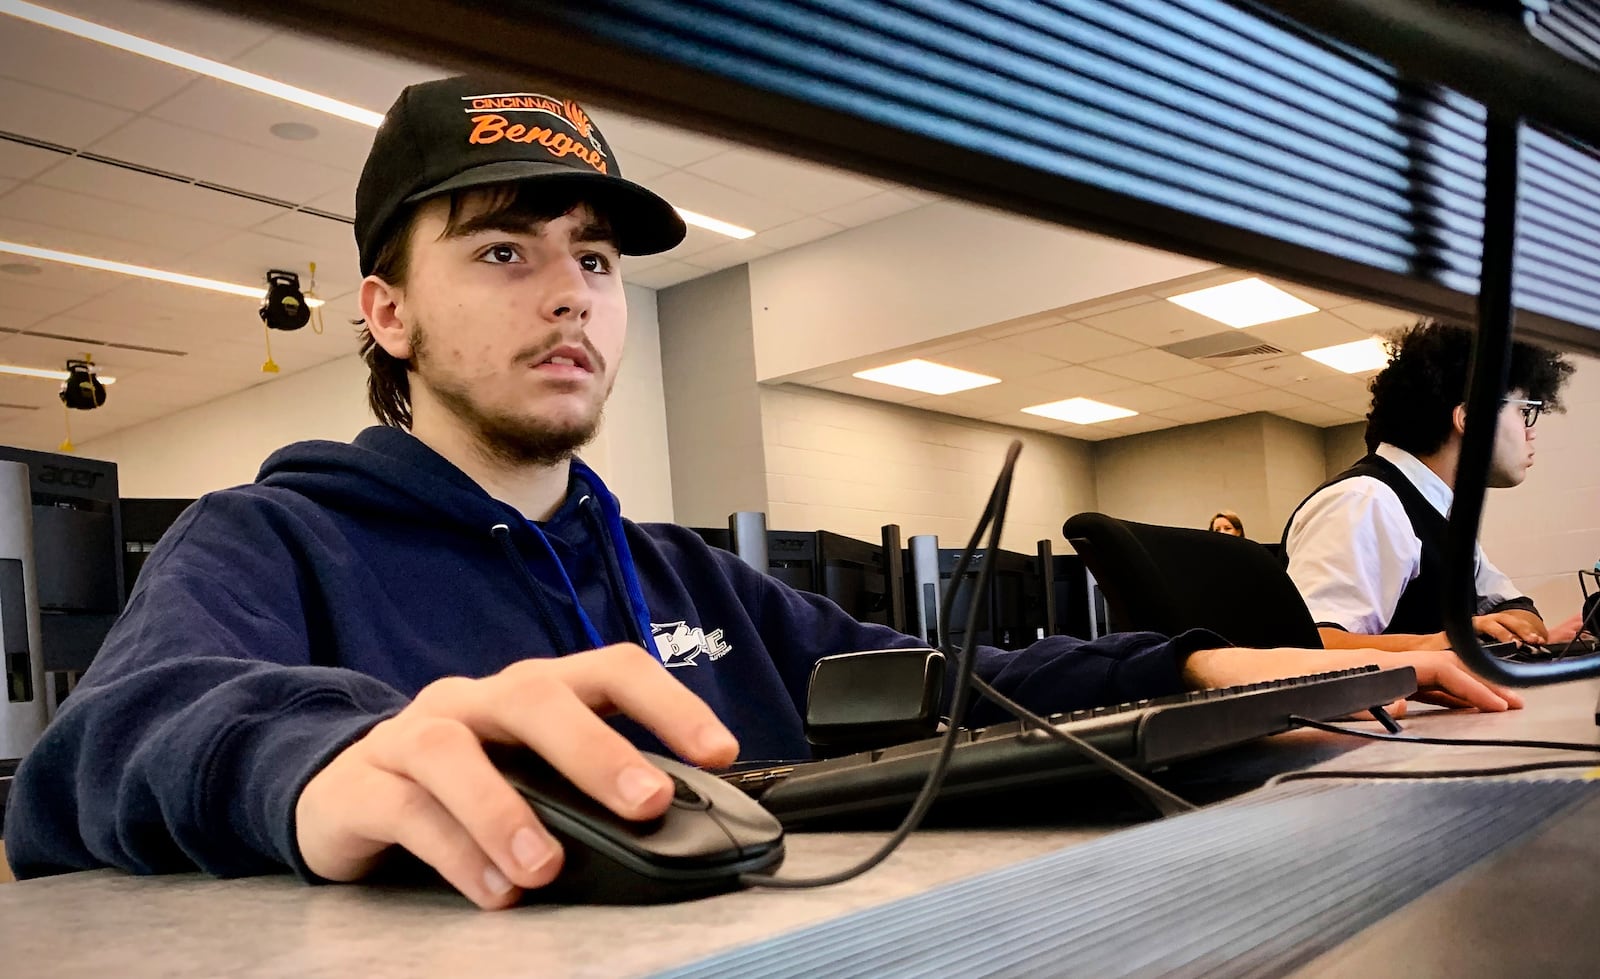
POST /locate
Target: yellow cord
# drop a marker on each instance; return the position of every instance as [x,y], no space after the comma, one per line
[66,418]
[271,366]
[316,312]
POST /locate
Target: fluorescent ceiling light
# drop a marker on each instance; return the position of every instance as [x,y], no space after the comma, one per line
[47,374]
[1248,302]
[928,377]
[709,224]
[106,265]
[46,17]
[1080,411]
[1353,358]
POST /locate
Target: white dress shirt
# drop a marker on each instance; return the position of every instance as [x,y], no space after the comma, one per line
[1352,551]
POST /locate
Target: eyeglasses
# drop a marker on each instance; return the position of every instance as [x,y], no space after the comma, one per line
[1530,410]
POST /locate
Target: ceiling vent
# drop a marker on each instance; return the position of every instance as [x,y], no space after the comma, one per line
[1224,349]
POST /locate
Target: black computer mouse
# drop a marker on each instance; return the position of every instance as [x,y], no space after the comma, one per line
[710,835]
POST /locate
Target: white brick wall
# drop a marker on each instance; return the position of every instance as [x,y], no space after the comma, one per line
[850,466]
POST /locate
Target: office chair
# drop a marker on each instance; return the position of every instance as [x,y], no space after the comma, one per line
[1169,579]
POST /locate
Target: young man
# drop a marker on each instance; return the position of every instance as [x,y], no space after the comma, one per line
[1366,549]
[309,665]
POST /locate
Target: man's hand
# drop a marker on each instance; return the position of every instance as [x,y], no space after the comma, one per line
[422,781]
[1441,679]
[1512,625]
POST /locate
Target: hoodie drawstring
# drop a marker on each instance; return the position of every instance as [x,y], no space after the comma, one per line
[502,534]
[613,568]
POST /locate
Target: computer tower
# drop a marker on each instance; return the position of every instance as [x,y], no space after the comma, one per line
[24,709]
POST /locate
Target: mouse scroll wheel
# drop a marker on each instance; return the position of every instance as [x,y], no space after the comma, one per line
[685,797]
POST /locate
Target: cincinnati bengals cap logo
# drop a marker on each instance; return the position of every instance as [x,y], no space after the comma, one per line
[491,123]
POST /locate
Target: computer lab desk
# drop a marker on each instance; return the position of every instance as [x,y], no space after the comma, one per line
[104,923]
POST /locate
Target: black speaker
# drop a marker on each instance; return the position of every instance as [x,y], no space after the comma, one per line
[285,307]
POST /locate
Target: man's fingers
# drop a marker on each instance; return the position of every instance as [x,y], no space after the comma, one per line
[400,810]
[1494,629]
[445,758]
[1455,681]
[630,680]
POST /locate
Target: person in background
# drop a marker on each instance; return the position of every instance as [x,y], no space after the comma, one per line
[309,666]
[1227,522]
[1366,548]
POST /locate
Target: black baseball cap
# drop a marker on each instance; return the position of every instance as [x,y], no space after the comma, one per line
[462,132]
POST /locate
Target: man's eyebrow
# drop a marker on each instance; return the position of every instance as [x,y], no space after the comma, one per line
[507,223]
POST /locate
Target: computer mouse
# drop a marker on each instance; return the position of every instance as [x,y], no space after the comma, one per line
[709,835]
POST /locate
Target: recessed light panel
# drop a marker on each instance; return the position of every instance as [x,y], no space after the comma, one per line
[1248,302]
[1080,411]
[1353,358]
[927,377]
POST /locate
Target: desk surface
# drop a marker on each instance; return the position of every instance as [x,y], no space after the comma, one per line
[106,923]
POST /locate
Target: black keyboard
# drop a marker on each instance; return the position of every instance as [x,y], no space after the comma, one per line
[1146,735]
[1525,653]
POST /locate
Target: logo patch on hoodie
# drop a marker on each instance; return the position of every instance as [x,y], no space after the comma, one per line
[681,645]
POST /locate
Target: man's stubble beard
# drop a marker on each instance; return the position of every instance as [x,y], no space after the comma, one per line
[505,440]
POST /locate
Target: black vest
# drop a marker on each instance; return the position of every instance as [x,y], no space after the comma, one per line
[1420,608]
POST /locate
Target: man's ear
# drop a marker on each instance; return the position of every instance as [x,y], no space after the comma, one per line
[382,309]
[1459,418]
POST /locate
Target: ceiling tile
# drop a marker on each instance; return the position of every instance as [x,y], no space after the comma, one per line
[1155,323]
[1144,398]
[113,183]
[667,274]
[246,258]
[806,187]
[1310,332]
[722,256]
[996,359]
[674,147]
[1099,307]
[12,318]
[1088,433]
[61,277]
[49,207]
[884,204]
[1018,419]
[1265,401]
[18,294]
[203,32]
[1022,324]
[1072,343]
[181,150]
[1149,365]
[75,66]
[244,116]
[330,240]
[87,243]
[695,241]
[1212,384]
[35,351]
[1198,411]
[20,161]
[1137,425]
[1321,416]
[1286,370]
[350,74]
[54,117]
[1346,387]
[799,232]
[712,199]
[1356,406]
[1075,382]
[1376,319]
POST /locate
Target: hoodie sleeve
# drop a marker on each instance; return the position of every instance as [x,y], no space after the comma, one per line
[1058,673]
[202,717]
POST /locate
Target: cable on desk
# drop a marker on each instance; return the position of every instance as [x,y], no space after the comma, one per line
[1165,802]
[1469,742]
[1536,766]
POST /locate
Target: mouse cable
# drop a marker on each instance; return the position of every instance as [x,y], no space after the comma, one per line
[1377,776]
[993,519]
[1299,721]
[1165,802]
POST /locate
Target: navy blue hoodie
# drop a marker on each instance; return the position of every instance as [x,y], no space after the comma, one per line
[277,622]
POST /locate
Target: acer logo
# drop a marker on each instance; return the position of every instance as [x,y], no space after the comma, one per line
[63,476]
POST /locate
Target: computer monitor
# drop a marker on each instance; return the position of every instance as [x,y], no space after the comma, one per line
[77,544]
[853,577]
[1011,615]
[1080,605]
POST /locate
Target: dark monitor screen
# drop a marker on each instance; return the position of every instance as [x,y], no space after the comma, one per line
[853,577]
[1012,614]
[792,559]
